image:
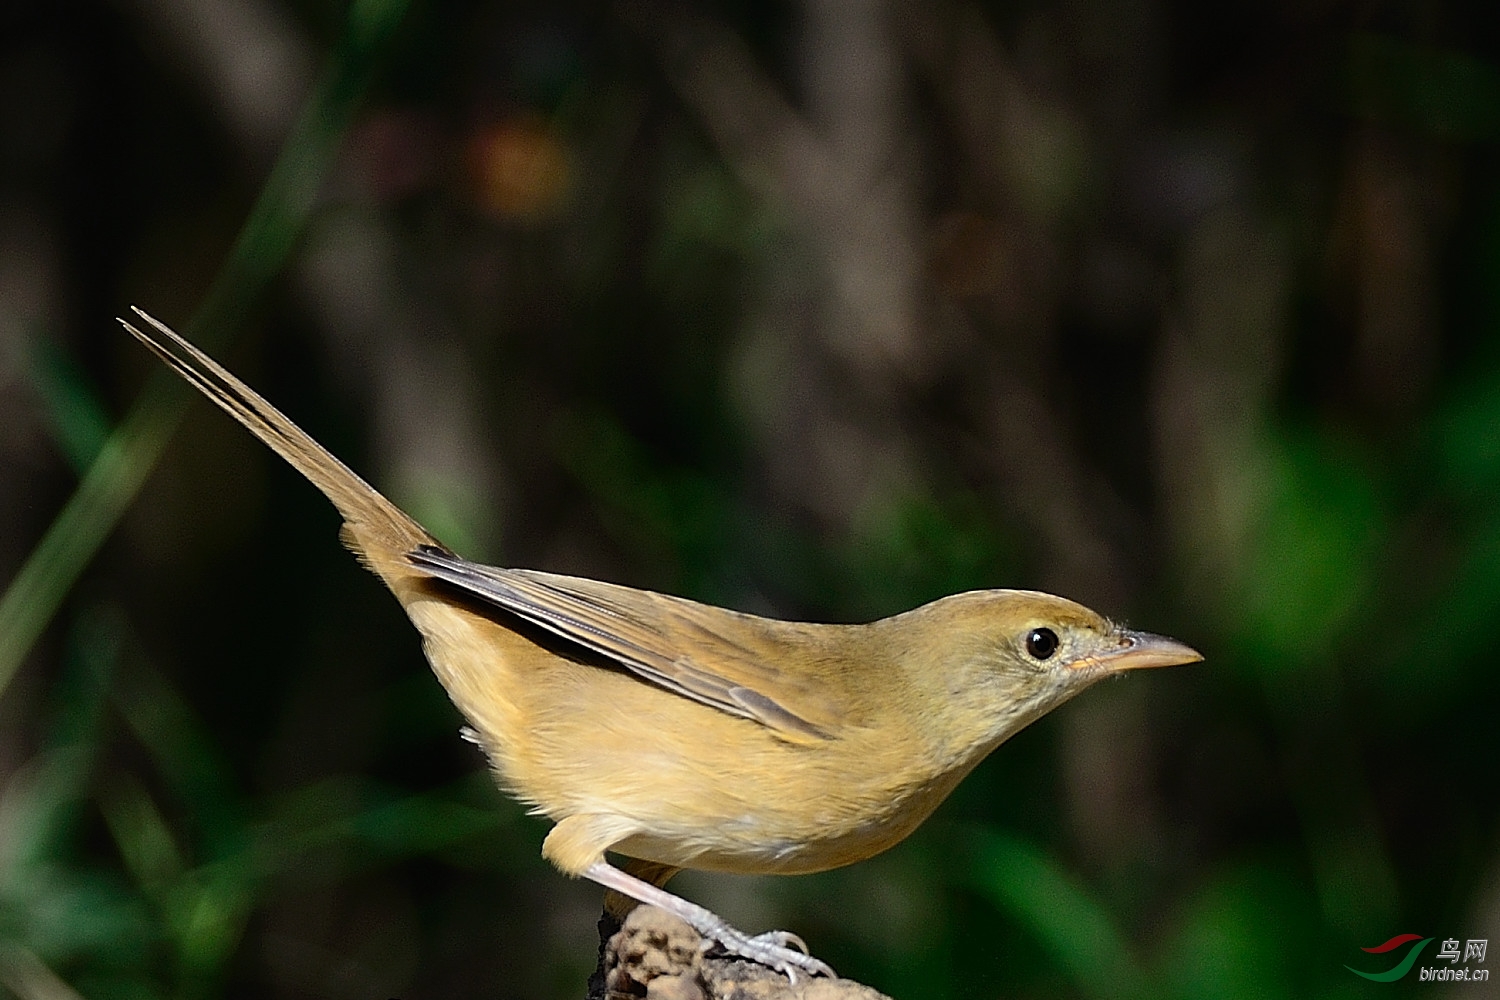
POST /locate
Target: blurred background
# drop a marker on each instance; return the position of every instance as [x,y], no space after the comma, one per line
[819,310]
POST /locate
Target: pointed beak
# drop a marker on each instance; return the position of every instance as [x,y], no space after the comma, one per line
[1139,650]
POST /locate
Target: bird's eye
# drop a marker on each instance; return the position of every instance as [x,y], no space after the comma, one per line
[1041,643]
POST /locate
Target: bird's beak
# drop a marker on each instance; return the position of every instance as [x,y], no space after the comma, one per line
[1139,650]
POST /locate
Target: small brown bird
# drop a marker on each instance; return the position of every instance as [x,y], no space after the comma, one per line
[686,736]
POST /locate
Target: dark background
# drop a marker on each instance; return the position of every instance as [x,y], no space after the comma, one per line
[822,310]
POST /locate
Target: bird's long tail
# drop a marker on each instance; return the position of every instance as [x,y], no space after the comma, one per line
[378,531]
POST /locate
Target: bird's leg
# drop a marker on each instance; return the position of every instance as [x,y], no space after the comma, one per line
[618,905]
[768,949]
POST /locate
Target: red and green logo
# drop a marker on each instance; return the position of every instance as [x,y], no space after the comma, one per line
[1402,967]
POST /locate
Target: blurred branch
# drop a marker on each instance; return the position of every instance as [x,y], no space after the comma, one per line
[262,248]
[1063,508]
[842,178]
[1027,149]
[250,58]
[422,389]
[847,335]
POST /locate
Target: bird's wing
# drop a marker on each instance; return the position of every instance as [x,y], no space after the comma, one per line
[732,666]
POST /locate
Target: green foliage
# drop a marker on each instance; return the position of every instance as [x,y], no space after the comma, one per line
[1072,926]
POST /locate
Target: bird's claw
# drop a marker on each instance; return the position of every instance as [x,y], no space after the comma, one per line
[770,949]
[780,939]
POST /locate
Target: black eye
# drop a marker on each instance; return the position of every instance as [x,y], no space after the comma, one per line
[1041,642]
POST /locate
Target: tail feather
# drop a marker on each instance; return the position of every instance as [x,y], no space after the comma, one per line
[377,530]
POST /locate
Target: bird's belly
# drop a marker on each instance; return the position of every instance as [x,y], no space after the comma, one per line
[749,844]
[697,787]
[746,802]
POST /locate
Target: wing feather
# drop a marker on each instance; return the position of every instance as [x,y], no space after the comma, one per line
[646,633]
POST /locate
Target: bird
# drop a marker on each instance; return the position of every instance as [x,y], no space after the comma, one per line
[679,735]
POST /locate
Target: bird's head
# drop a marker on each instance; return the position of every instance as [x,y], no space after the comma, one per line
[997,660]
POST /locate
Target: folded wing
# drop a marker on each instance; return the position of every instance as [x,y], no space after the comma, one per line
[734,668]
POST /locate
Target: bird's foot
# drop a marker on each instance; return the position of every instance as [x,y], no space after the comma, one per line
[769,949]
